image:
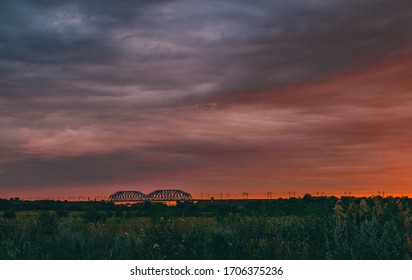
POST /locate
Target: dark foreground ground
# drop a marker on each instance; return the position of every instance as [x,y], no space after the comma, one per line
[306,228]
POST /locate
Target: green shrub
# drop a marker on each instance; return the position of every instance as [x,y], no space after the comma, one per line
[62,213]
[9,214]
[92,216]
[47,223]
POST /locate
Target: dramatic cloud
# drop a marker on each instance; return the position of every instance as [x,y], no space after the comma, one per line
[218,96]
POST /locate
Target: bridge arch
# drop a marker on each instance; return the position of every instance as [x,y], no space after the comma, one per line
[127,196]
[169,195]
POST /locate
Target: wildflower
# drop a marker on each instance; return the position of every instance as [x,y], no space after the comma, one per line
[363,207]
[400,204]
[338,208]
[379,210]
[339,212]
[156,246]
[351,210]
[407,222]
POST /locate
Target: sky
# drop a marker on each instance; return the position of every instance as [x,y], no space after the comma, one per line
[206,96]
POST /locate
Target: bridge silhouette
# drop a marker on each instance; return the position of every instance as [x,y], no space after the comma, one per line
[157,195]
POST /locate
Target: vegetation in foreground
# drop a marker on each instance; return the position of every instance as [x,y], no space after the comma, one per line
[307,228]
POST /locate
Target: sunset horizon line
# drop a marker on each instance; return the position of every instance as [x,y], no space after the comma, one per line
[218,196]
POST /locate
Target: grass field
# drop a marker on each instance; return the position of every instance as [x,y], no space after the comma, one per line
[360,229]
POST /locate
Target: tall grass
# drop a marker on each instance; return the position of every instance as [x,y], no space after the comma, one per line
[371,229]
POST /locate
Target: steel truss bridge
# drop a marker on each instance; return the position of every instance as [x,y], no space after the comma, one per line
[157,195]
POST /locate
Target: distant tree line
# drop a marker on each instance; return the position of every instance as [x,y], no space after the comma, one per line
[307,205]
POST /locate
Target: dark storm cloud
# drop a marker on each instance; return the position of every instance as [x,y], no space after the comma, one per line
[64,32]
[183,45]
[170,53]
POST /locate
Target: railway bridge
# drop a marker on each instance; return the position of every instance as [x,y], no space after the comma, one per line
[155,196]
